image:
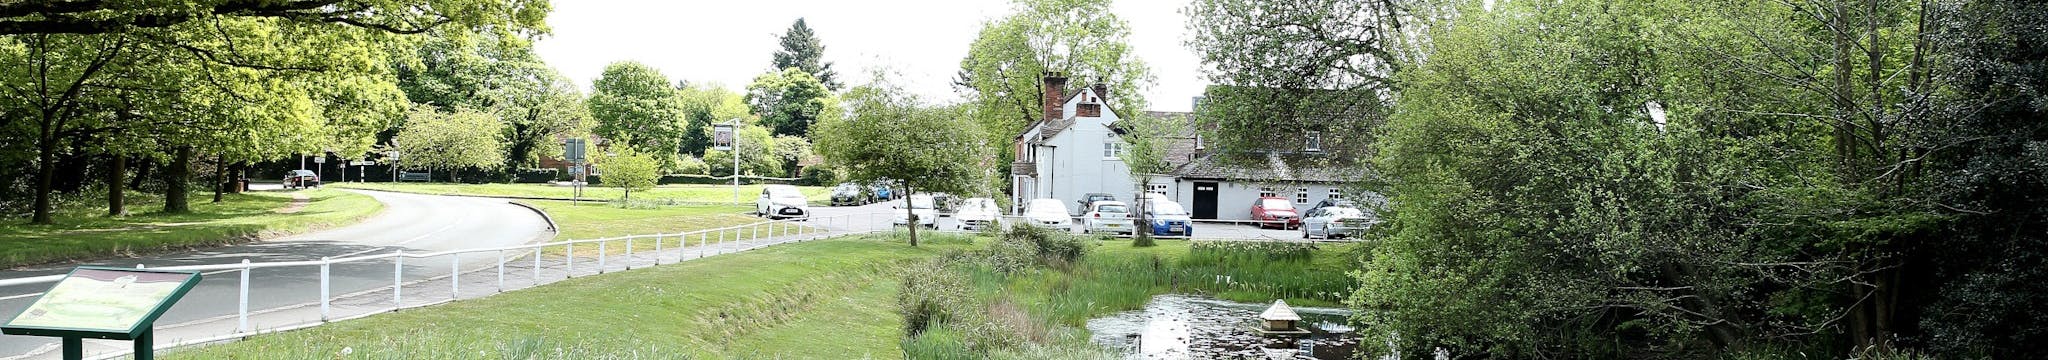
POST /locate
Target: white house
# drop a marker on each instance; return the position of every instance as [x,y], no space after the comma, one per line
[1075,150]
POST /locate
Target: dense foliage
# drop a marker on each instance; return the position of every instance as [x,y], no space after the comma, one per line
[1599,179]
[1001,75]
[892,135]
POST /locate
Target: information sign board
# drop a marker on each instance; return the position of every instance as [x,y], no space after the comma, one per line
[102,303]
[573,149]
[722,137]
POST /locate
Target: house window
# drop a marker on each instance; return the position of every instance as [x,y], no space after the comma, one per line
[1112,150]
[1156,188]
[1336,193]
[1315,142]
[1301,196]
[1266,192]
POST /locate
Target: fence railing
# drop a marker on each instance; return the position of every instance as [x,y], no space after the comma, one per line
[708,242]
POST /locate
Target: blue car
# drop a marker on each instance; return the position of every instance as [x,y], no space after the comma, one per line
[1169,219]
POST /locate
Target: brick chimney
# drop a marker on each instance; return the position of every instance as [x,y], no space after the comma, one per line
[1102,90]
[1055,86]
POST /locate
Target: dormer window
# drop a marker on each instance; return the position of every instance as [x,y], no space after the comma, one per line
[1315,142]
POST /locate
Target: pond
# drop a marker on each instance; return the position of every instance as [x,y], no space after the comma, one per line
[1195,327]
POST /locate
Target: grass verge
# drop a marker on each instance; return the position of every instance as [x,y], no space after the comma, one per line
[824,299]
[592,220]
[82,232]
[681,193]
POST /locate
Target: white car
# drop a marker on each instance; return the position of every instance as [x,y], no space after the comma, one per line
[975,214]
[1050,213]
[1332,222]
[1107,217]
[782,202]
[920,204]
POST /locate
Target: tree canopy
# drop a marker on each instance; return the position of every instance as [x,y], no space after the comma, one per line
[1001,75]
[790,101]
[802,50]
[633,105]
[891,135]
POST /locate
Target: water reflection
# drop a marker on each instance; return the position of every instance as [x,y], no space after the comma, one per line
[1194,327]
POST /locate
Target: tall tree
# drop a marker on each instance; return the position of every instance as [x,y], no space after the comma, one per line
[450,141]
[1001,75]
[210,66]
[802,50]
[703,105]
[891,135]
[633,105]
[790,101]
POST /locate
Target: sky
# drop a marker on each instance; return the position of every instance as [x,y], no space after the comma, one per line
[730,42]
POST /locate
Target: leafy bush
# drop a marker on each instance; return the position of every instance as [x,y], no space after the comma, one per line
[930,294]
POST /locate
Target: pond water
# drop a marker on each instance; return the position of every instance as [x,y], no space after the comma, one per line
[1195,327]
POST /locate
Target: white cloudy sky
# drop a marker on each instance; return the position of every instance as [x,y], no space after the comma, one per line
[729,42]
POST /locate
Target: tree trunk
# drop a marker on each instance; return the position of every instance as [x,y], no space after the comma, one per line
[117,167]
[235,176]
[46,171]
[178,182]
[911,211]
[141,172]
[220,176]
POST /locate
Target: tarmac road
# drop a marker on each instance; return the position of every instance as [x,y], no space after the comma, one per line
[409,222]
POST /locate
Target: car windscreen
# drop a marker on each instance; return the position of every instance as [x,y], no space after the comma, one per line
[1048,208]
[1167,208]
[920,202]
[1276,204]
[1342,211]
[978,205]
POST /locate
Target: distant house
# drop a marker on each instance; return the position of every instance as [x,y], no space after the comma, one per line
[1076,149]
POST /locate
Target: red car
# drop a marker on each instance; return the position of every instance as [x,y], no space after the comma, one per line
[1271,211]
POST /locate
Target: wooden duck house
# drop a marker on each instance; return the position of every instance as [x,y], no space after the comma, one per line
[1280,320]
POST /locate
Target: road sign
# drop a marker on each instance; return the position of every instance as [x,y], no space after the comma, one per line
[365,162]
[320,159]
[722,137]
[573,149]
[103,303]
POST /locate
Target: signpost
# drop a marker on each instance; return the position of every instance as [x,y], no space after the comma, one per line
[574,149]
[103,303]
[726,137]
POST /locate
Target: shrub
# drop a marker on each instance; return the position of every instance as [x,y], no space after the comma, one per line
[930,294]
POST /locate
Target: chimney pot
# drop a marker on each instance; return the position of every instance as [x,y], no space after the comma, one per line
[1055,85]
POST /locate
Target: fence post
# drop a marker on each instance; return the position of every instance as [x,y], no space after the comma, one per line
[657,249]
[243,322]
[501,270]
[629,252]
[569,255]
[703,239]
[454,276]
[325,286]
[600,256]
[536,265]
[397,279]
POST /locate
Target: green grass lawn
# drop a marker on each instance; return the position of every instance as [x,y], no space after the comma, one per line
[83,232]
[693,193]
[831,299]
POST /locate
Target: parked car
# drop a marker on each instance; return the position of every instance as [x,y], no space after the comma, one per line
[945,202]
[1049,213]
[881,191]
[301,179]
[1275,211]
[1329,202]
[781,202]
[1088,201]
[921,205]
[1107,217]
[1168,218]
[976,214]
[1332,222]
[849,194]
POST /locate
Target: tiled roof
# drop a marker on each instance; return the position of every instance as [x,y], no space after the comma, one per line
[1272,167]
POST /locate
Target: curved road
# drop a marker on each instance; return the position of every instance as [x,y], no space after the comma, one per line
[409,222]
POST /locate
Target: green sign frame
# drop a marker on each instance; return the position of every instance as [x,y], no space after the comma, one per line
[138,328]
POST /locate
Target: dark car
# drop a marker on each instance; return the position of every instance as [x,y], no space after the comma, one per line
[301,179]
[850,194]
[1088,201]
[1275,211]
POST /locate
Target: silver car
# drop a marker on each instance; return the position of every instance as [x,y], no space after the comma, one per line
[1107,217]
[1332,222]
[975,214]
[782,202]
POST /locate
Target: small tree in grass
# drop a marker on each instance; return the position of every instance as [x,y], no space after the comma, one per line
[1145,143]
[891,135]
[630,171]
[450,141]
